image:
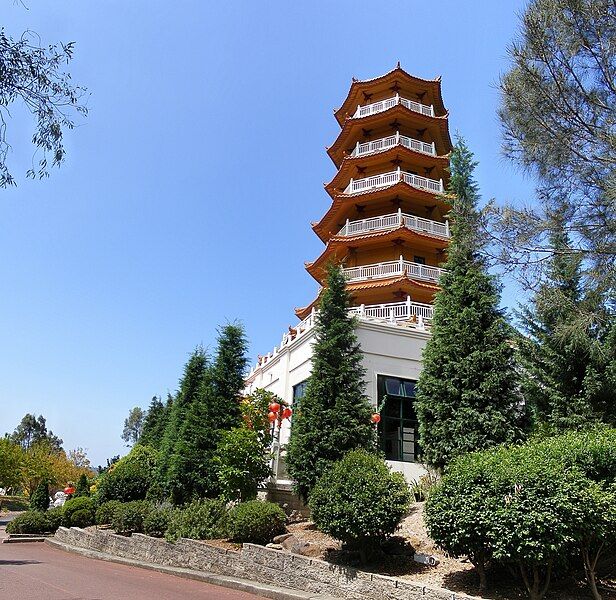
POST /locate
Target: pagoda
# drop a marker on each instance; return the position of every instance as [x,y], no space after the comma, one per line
[387,222]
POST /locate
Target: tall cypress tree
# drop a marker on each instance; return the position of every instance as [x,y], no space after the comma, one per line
[466,397]
[566,356]
[334,414]
[155,422]
[191,386]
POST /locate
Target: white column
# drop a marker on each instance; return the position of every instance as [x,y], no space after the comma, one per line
[447,227]
[400,216]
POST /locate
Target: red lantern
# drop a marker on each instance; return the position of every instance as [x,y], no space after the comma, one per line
[375,418]
[286,413]
[274,407]
[69,490]
[271,416]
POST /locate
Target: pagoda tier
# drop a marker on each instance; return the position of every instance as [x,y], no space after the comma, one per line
[387,223]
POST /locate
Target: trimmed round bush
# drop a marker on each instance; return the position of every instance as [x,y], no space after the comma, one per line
[256,522]
[359,501]
[55,517]
[105,512]
[82,518]
[76,504]
[199,520]
[128,517]
[32,521]
[156,523]
[131,477]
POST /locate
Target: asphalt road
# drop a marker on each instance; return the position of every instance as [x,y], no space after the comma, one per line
[36,571]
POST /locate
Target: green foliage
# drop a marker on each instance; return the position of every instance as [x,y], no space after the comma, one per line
[256,522]
[254,409]
[529,507]
[11,459]
[359,500]
[106,511]
[78,504]
[33,521]
[82,518]
[40,498]
[157,522]
[129,517]
[242,463]
[131,477]
[467,391]
[32,429]
[133,424]
[155,422]
[83,486]
[199,520]
[334,416]
[55,517]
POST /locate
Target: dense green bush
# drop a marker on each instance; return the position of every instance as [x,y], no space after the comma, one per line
[530,507]
[157,522]
[82,518]
[199,520]
[83,486]
[55,517]
[130,478]
[129,517]
[105,512]
[359,501]
[77,504]
[32,521]
[242,463]
[40,497]
[256,522]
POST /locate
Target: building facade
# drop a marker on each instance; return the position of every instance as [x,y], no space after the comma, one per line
[387,227]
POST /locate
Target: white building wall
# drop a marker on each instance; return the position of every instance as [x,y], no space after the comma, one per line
[388,349]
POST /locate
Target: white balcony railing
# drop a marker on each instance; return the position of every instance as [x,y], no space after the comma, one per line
[391,268]
[404,314]
[395,311]
[393,177]
[394,220]
[382,105]
[393,140]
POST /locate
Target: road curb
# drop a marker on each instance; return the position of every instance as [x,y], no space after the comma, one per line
[245,585]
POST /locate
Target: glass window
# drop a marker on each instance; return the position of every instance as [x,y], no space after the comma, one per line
[398,429]
[299,390]
[420,260]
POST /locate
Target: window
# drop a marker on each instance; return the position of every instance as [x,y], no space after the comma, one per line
[298,391]
[398,429]
[420,260]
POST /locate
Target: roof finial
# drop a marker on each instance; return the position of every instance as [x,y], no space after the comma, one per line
[353,79]
[398,65]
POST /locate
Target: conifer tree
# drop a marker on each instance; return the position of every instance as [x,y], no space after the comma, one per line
[191,386]
[566,356]
[334,415]
[155,422]
[83,487]
[466,396]
[40,497]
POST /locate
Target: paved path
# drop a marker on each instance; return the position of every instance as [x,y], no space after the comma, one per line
[36,571]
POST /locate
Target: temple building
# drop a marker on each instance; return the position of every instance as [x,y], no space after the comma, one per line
[387,227]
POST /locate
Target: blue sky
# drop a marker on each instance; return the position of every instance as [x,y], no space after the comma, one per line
[188,191]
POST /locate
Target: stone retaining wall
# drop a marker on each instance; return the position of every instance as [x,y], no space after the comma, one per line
[257,563]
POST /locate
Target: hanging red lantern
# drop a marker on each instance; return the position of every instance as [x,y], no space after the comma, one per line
[274,407]
[286,413]
[69,490]
[375,418]
[271,416]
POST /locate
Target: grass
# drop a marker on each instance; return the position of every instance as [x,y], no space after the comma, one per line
[13,503]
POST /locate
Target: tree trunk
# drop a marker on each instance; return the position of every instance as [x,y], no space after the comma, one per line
[589,567]
[483,579]
[536,591]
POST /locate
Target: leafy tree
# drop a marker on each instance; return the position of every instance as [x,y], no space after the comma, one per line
[334,416]
[565,377]
[466,398]
[33,429]
[558,112]
[155,422]
[31,75]
[254,409]
[40,497]
[133,424]
[11,459]
[79,458]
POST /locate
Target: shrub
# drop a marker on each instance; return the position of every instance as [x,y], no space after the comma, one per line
[242,463]
[55,517]
[32,521]
[83,486]
[156,523]
[106,511]
[256,522]
[359,501]
[77,504]
[82,518]
[40,497]
[199,520]
[529,506]
[128,518]
[130,478]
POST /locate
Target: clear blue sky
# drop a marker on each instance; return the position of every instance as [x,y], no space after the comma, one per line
[188,192]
